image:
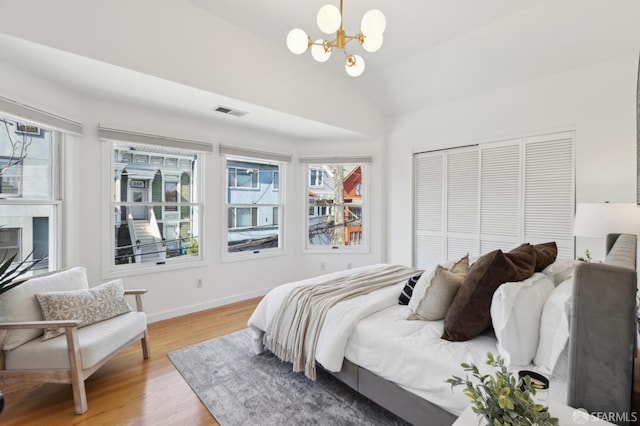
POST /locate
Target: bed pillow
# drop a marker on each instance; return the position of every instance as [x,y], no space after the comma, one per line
[434,291]
[439,295]
[19,303]
[560,270]
[546,254]
[470,312]
[89,306]
[407,291]
[516,309]
[554,327]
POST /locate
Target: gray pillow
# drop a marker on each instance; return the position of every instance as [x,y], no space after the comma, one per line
[441,287]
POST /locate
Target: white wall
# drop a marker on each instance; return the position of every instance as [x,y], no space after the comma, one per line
[178,41]
[599,102]
[171,293]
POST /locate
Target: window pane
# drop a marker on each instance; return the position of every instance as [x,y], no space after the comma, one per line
[146,229]
[253,222]
[171,195]
[335,205]
[26,230]
[25,161]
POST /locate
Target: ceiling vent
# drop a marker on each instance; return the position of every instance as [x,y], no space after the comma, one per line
[230,111]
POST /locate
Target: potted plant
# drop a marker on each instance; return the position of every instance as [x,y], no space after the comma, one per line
[8,280]
[502,399]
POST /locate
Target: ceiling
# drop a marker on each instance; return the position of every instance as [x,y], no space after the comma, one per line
[434,52]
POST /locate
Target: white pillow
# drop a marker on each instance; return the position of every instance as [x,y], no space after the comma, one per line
[20,304]
[560,270]
[554,327]
[434,292]
[516,309]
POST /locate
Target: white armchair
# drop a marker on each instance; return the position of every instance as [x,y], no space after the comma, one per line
[80,350]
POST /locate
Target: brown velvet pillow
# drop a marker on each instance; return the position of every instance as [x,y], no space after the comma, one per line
[470,313]
[546,254]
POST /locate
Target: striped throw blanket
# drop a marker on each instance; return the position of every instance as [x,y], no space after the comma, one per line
[293,334]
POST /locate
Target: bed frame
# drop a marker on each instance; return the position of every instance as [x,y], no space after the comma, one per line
[602,347]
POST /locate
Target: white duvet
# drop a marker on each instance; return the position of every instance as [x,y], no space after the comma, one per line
[372,331]
[340,321]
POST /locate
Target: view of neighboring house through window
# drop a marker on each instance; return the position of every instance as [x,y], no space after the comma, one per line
[254,205]
[156,205]
[28,208]
[335,206]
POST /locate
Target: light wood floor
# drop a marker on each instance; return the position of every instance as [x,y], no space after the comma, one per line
[129,390]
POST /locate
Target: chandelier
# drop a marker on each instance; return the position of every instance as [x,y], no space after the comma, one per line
[329,21]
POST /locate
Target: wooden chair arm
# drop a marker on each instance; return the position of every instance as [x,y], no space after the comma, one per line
[138,294]
[134,292]
[39,324]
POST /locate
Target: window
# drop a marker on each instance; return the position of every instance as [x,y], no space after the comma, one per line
[10,243]
[156,207]
[254,216]
[28,190]
[243,178]
[336,202]
[171,195]
[315,177]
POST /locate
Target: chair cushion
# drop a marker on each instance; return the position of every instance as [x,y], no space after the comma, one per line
[97,341]
[20,304]
[89,306]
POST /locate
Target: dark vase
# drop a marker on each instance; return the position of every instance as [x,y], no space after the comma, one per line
[1,402]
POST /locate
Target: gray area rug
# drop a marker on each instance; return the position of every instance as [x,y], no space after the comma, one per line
[240,388]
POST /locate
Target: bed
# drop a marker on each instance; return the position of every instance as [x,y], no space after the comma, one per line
[583,336]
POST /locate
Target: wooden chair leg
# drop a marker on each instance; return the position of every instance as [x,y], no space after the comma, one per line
[75,368]
[146,351]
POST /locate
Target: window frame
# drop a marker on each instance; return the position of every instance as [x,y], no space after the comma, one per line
[308,165]
[110,268]
[52,204]
[228,256]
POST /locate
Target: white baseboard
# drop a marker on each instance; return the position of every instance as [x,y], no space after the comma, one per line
[185,310]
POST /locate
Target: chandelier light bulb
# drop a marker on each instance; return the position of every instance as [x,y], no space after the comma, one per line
[297,41]
[354,65]
[319,52]
[373,23]
[373,43]
[329,19]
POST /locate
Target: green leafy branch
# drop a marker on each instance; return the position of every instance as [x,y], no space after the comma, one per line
[9,274]
[501,398]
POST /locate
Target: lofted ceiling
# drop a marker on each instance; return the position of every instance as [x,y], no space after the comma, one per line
[434,52]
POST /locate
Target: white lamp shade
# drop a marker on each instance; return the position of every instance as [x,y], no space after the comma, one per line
[373,43]
[355,69]
[319,53]
[373,23]
[596,220]
[297,41]
[329,19]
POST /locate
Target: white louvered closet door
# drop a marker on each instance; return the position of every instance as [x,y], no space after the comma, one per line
[429,209]
[500,204]
[462,201]
[549,198]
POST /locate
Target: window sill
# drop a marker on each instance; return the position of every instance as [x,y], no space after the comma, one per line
[153,268]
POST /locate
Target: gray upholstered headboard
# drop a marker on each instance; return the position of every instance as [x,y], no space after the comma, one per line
[602,345]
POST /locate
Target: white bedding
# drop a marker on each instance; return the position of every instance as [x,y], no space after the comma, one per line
[372,331]
[340,320]
[412,354]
